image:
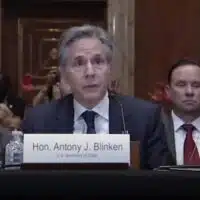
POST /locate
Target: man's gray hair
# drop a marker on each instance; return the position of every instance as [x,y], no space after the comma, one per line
[85,31]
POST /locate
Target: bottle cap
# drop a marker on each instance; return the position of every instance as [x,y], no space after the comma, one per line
[16,132]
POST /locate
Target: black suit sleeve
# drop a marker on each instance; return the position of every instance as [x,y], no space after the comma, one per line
[28,122]
[36,119]
[155,145]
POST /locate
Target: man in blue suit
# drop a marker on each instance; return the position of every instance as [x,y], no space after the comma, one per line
[86,55]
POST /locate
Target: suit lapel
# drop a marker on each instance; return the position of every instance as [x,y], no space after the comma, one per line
[65,115]
[115,116]
[169,130]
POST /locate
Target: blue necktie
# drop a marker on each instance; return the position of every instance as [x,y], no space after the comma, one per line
[89,116]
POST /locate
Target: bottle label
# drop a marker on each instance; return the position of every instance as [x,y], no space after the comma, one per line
[17,157]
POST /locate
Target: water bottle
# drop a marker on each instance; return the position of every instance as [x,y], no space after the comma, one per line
[14,150]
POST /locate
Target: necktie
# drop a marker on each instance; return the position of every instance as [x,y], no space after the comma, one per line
[89,116]
[191,155]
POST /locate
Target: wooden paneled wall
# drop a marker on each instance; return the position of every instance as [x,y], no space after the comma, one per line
[151,34]
[0,30]
[91,12]
[165,31]
[121,25]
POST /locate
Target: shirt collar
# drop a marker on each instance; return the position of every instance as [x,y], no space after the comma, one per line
[196,123]
[178,122]
[102,108]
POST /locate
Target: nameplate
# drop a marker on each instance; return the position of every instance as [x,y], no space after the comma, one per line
[76,148]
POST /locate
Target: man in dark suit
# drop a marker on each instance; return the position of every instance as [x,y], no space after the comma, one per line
[86,54]
[182,122]
[169,131]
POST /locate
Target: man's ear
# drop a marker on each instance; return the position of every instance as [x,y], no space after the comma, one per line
[167,90]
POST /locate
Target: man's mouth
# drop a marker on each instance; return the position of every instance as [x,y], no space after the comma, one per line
[189,102]
[91,86]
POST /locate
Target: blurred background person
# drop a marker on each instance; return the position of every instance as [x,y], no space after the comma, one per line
[15,103]
[7,118]
[53,89]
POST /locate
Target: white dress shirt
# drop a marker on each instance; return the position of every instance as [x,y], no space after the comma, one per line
[180,135]
[101,119]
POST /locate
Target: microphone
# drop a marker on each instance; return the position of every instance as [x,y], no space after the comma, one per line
[114,96]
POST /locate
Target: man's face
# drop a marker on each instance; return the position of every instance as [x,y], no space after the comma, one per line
[87,69]
[184,90]
[53,54]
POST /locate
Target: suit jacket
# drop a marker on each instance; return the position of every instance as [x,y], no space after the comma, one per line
[169,130]
[142,120]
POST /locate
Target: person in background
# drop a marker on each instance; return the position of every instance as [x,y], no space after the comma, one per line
[12,110]
[53,89]
[8,119]
[8,123]
[4,113]
[15,103]
[85,61]
[182,123]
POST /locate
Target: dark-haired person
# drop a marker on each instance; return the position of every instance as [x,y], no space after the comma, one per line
[52,90]
[183,122]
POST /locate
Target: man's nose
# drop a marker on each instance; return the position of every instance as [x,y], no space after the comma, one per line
[189,91]
[89,69]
